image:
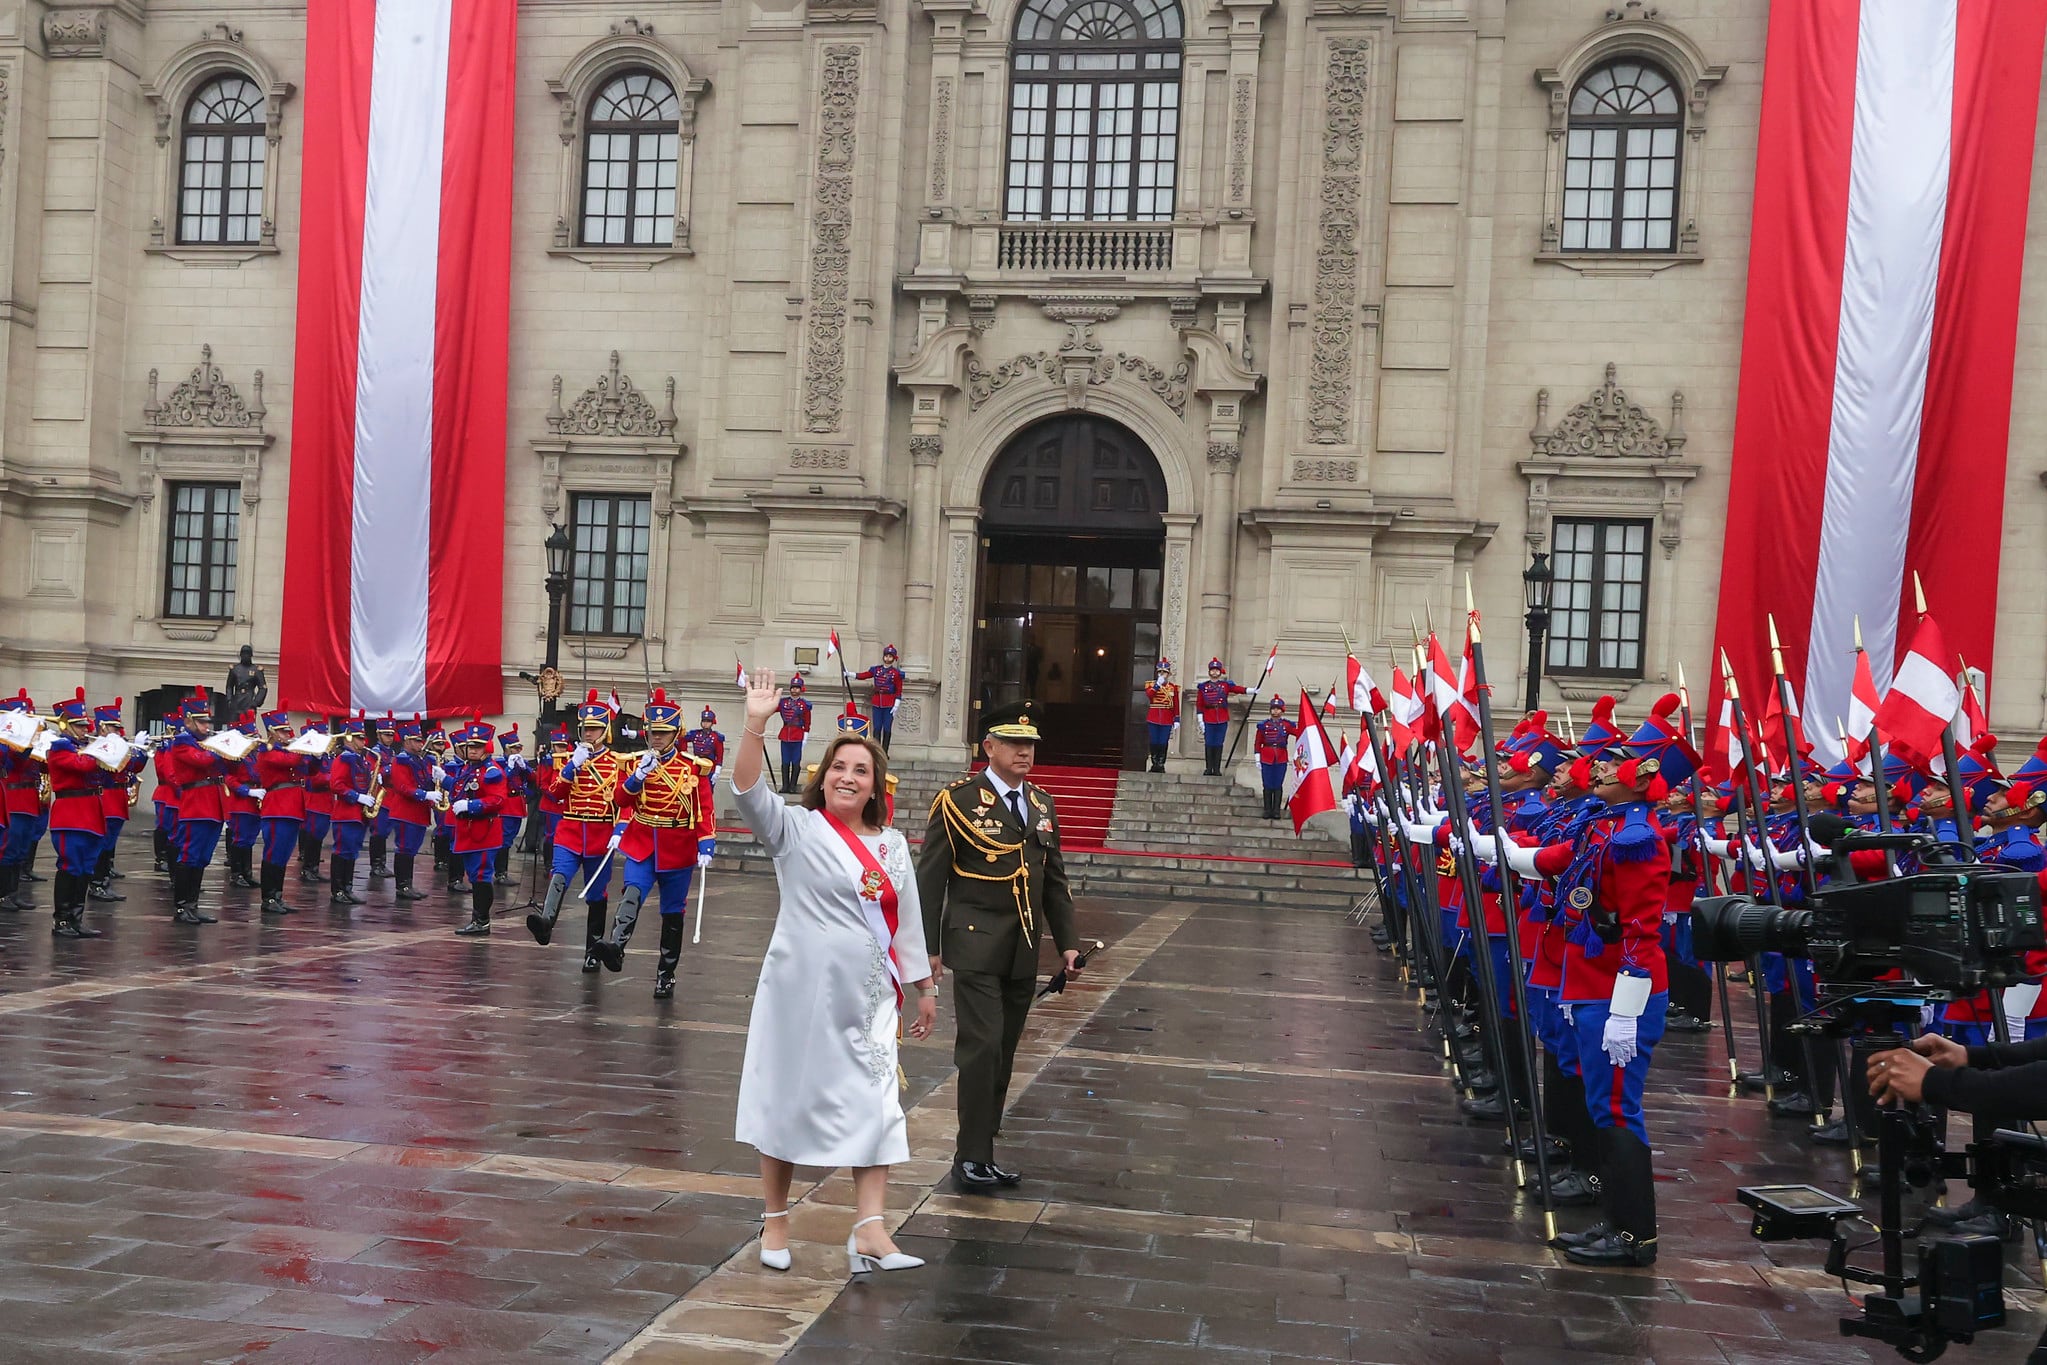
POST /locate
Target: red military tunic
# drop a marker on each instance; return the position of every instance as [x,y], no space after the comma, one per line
[282,776]
[348,775]
[1212,699]
[669,810]
[518,777]
[543,776]
[21,783]
[406,784]
[201,779]
[1632,884]
[241,781]
[166,777]
[117,792]
[589,804]
[1161,703]
[319,796]
[481,830]
[795,719]
[74,789]
[1273,734]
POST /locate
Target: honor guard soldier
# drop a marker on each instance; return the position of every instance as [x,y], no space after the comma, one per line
[476,813]
[165,797]
[383,748]
[551,759]
[244,812]
[411,794]
[1271,740]
[993,883]
[586,784]
[319,813]
[888,691]
[667,825]
[1161,713]
[282,775]
[795,713]
[117,801]
[1212,700]
[518,793]
[21,804]
[77,823]
[706,742]
[201,776]
[352,776]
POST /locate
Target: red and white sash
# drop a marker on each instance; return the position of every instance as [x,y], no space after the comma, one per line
[877,899]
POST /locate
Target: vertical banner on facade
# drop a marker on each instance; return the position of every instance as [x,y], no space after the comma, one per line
[1893,163]
[394,561]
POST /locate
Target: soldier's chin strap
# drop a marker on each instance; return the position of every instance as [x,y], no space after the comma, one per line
[992,849]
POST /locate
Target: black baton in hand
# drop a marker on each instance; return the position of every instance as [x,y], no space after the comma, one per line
[1057,985]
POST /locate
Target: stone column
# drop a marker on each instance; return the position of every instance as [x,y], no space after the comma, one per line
[926,449]
[1218,541]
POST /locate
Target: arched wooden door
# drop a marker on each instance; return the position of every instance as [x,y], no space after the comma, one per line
[1072,548]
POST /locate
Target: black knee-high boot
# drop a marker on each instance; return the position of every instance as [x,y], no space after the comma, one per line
[378,844]
[611,948]
[1630,1197]
[160,843]
[671,956]
[480,897]
[1214,755]
[593,931]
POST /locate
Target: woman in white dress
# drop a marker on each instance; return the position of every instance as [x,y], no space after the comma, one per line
[820,1085]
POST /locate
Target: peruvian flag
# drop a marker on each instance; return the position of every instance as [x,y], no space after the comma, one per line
[394,591]
[1893,168]
[740,668]
[1923,698]
[1863,703]
[1974,721]
[832,645]
[1455,694]
[1309,792]
[1405,713]
[1724,749]
[1358,686]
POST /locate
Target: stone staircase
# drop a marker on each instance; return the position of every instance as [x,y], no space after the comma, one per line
[1170,835]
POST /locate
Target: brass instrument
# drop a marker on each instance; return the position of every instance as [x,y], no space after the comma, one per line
[376,806]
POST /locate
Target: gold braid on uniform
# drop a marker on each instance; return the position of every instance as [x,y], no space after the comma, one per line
[964,831]
[673,787]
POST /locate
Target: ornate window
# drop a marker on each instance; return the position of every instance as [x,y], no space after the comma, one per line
[200,553]
[220,171]
[1094,111]
[1621,160]
[1598,603]
[631,144]
[608,576]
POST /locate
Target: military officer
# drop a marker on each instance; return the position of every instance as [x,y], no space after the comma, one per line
[244,812]
[411,795]
[201,777]
[117,799]
[21,779]
[586,784]
[667,827]
[794,710]
[476,805]
[706,742]
[282,776]
[1161,713]
[1274,732]
[1212,699]
[993,883]
[77,824]
[319,813]
[350,777]
[888,691]
[384,748]
[518,796]
[165,798]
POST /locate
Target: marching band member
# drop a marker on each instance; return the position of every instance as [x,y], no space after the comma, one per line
[281,774]
[384,750]
[557,753]
[244,812]
[319,813]
[165,798]
[519,789]
[201,778]
[476,805]
[117,799]
[21,779]
[794,711]
[587,787]
[1161,713]
[668,823]
[77,823]
[888,692]
[350,777]
[410,789]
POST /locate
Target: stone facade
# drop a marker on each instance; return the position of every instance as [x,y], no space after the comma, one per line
[1360,358]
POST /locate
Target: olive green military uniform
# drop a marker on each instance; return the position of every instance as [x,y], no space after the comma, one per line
[993,887]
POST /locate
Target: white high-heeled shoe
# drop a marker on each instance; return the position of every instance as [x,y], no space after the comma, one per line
[774,1260]
[858,1261]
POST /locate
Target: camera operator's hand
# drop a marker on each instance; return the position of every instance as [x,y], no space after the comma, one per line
[1899,1076]
[1941,1051]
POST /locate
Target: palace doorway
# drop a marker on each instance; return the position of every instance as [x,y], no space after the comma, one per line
[1072,551]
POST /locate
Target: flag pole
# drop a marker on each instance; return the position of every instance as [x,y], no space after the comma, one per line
[1250,702]
[1509,901]
[1684,703]
[1964,823]
[1750,818]
[1785,710]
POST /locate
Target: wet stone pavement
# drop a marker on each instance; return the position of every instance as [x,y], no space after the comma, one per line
[356,1138]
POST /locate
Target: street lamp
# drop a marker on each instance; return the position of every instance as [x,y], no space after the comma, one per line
[1536,581]
[557,588]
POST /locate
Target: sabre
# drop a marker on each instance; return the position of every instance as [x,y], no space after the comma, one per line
[605,862]
[1057,985]
[703,880]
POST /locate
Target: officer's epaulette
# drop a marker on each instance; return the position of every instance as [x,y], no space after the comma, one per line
[1637,840]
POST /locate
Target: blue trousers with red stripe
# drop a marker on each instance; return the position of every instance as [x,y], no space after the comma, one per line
[1613,1094]
[673,885]
[194,842]
[280,839]
[578,868]
[480,865]
[408,837]
[77,850]
[348,837]
[511,825]
[22,835]
[1547,1015]
[243,829]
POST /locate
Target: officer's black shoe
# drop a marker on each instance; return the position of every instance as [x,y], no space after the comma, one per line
[192,914]
[238,878]
[1992,1224]
[1574,1189]
[976,1177]
[1615,1248]
[1755,1082]
[1563,1241]
[476,928]
[406,893]
[1481,1082]
[1007,1177]
[72,925]
[1559,1149]
[1488,1108]
[1795,1105]
[1684,1022]
[162,865]
[1835,1134]
[101,891]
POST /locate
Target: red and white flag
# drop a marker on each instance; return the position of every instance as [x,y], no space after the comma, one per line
[1724,749]
[832,645]
[1309,792]
[1893,169]
[1404,714]
[1455,693]
[1923,698]
[1863,702]
[394,591]
[1974,722]
[1358,686]
[742,674]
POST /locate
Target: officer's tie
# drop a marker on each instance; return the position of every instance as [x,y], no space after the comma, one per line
[1016,808]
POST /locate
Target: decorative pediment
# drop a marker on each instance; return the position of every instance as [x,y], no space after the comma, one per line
[1608,425]
[204,399]
[1078,372]
[613,406]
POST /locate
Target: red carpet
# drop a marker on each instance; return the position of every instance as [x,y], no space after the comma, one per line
[1086,798]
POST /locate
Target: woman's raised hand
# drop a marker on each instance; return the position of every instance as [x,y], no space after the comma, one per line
[763,698]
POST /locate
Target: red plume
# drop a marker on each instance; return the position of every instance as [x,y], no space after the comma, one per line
[1602,712]
[1665,707]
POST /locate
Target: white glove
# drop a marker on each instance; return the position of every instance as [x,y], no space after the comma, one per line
[1670,917]
[617,838]
[136,748]
[2018,1006]
[1456,844]
[1485,848]
[1787,859]
[258,793]
[515,761]
[1521,859]
[647,762]
[1618,1042]
[1720,848]
[364,799]
[581,756]
[463,807]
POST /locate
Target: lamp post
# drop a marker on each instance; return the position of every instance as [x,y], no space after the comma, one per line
[1536,581]
[557,588]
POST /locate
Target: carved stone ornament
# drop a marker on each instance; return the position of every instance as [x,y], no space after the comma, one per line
[1325,471]
[1240,140]
[843,11]
[826,458]
[1608,425]
[1335,317]
[204,398]
[927,449]
[1170,386]
[632,27]
[1224,455]
[75,33]
[941,135]
[910,717]
[824,362]
[612,407]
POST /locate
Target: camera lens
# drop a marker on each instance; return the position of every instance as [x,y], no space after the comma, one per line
[1731,928]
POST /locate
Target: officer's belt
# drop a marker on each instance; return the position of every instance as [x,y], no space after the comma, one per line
[655,822]
[20,786]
